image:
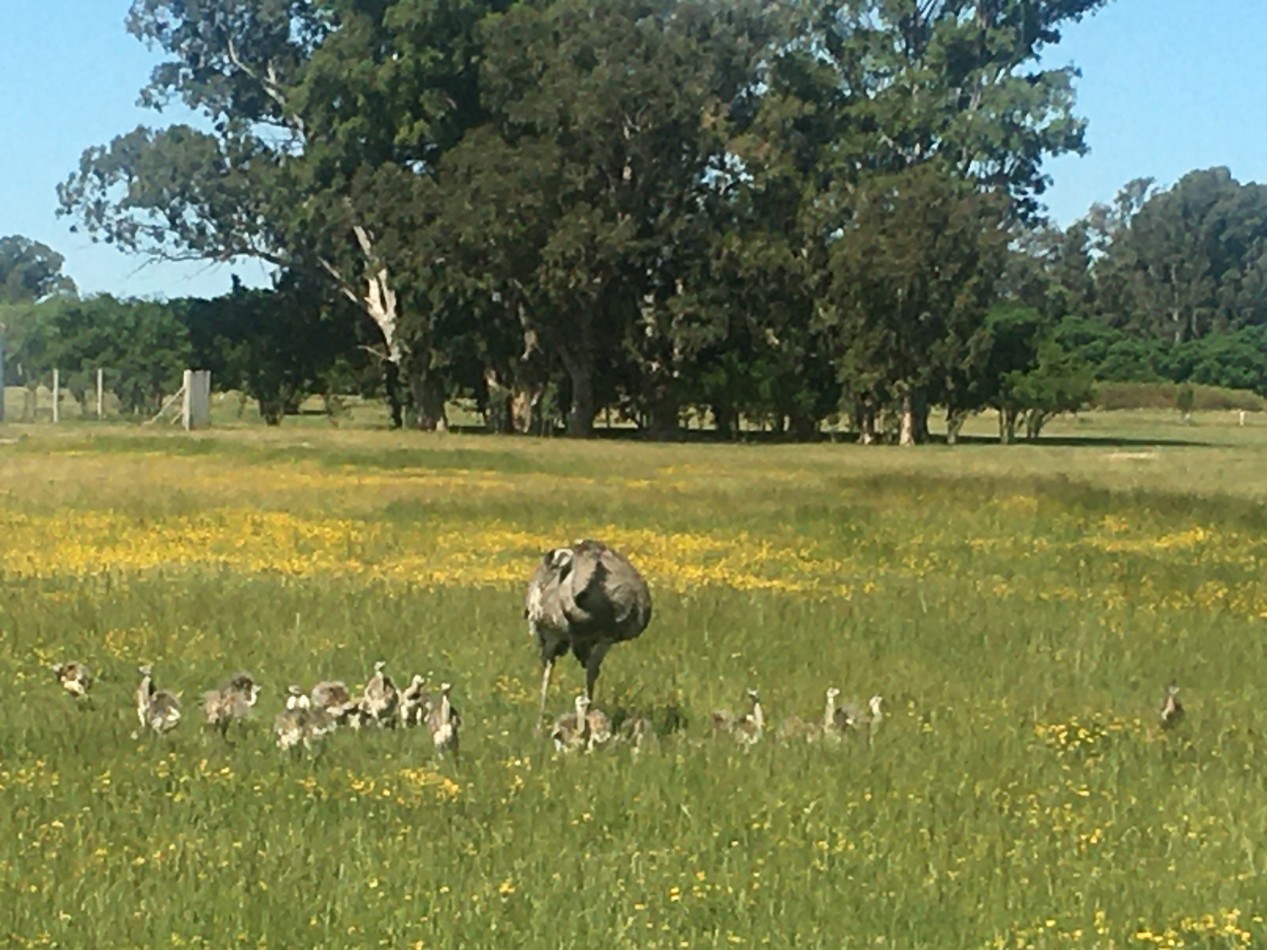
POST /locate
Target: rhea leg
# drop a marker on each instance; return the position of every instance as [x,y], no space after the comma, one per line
[592,664]
[547,664]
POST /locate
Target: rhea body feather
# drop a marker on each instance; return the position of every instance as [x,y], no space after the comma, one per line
[584,598]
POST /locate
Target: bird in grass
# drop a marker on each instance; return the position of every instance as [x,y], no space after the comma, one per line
[571,730]
[443,722]
[334,697]
[746,729]
[796,729]
[584,598]
[413,701]
[380,699]
[749,729]
[638,731]
[157,709]
[600,728]
[301,725]
[232,702]
[873,717]
[75,678]
[1171,711]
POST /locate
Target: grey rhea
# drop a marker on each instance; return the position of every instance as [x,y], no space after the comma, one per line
[584,598]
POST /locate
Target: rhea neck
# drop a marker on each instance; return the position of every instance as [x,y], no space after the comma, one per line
[758,716]
[829,710]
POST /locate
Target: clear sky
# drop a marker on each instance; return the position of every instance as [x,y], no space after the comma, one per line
[1168,86]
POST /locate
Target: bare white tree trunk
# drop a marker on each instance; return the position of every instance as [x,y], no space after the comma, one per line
[907,432]
[378,300]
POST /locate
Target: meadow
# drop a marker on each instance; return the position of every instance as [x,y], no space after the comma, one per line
[1021,609]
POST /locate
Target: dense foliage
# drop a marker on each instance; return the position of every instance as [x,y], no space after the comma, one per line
[783,214]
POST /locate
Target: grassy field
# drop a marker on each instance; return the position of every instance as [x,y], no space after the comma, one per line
[1020,609]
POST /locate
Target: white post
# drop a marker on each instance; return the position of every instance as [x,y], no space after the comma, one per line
[185,386]
[1242,417]
[101,404]
[57,396]
[195,410]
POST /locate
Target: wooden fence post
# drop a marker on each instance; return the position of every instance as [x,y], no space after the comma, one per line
[57,396]
[101,404]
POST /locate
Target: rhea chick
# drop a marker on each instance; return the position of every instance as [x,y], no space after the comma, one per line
[75,678]
[157,709]
[1171,712]
[571,730]
[333,696]
[232,702]
[413,701]
[749,729]
[443,721]
[381,698]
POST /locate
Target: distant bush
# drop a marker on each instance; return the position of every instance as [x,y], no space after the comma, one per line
[1165,396]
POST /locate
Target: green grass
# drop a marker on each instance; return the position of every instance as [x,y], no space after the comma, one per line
[1019,608]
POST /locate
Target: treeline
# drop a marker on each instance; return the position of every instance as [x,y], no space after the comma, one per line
[277,346]
[780,213]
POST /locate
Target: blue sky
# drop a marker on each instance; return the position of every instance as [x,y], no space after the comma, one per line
[1168,86]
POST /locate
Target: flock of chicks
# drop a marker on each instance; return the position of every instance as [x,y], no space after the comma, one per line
[587,729]
[839,719]
[307,717]
[311,716]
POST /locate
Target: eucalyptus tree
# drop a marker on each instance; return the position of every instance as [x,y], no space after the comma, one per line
[320,121]
[581,206]
[954,85]
[30,271]
[1180,263]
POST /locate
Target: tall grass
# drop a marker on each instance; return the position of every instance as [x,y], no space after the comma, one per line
[1020,612]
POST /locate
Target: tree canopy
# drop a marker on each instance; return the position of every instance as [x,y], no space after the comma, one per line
[787,213]
[30,271]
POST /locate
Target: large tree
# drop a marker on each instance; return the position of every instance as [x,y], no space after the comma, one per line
[30,271]
[591,183]
[321,121]
[278,346]
[1178,264]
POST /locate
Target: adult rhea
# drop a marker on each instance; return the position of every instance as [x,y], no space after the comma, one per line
[584,598]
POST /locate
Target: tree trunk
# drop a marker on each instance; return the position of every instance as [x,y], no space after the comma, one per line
[497,414]
[664,413]
[804,427]
[922,435]
[955,418]
[906,434]
[528,373]
[581,410]
[1035,419]
[523,407]
[428,397]
[391,384]
[864,422]
[1007,426]
[578,360]
[725,421]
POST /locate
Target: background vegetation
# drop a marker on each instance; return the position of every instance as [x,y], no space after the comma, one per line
[781,215]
